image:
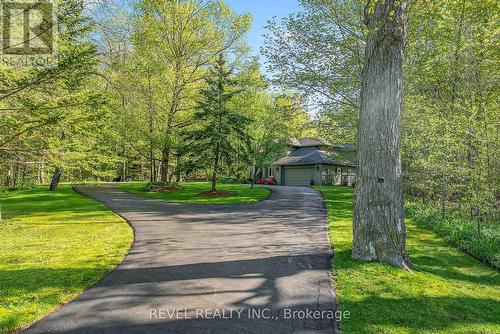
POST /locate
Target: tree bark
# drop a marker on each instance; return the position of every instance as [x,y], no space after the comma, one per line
[41,176]
[176,91]
[178,174]
[165,159]
[379,232]
[216,167]
[214,180]
[55,179]
[152,169]
[54,183]
[151,110]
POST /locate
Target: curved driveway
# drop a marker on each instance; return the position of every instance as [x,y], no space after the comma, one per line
[252,268]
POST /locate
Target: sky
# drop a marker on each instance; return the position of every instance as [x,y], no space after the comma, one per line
[262,11]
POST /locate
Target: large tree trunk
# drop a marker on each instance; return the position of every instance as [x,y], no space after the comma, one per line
[214,181]
[151,110]
[178,173]
[165,160]
[176,89]
[55,179]
[379,229]
[41,174]
[152,169]
[216,167]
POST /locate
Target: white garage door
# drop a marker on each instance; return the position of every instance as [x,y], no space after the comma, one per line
[298,176]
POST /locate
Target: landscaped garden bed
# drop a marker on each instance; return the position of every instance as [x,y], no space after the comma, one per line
[199,192]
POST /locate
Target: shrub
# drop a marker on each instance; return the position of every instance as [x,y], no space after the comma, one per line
[153,186]
[234,180]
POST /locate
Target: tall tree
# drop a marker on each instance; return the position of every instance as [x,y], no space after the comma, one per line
[378,225]
[450,124]
[222,135]
[42,106]
[275,119]
[75,83]
[318,53]
[185,37]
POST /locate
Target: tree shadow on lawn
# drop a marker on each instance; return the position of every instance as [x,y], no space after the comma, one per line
[122,301]
[26,294]
[449,290]
[430,321]
[132,290]
[437,296]
[423,313]
[20,282]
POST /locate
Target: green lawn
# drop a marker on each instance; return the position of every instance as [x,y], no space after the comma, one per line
[450,292]
[243,193]
[52,247]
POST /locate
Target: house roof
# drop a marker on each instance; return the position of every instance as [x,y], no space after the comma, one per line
[345,156]
[347,148]
[314,156]
[308,142]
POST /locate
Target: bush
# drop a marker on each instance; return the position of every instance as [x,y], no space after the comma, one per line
[153,186]
[234,180]
[458,231]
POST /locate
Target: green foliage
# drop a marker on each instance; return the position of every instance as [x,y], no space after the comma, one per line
[450,119]
[53,246]
[53,116]
[482,242]
[275,117]
[157,81]
[126,89]
[240,193]
[154,186]
[318,53]
[221,133]
[449,291]
[235,180]
[450,125]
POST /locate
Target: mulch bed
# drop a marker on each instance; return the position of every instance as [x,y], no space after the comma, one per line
[167,189]
[218,193]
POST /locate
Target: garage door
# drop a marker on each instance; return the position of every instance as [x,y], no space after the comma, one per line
[298,176]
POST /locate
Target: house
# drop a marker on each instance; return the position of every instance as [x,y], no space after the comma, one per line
[315,162]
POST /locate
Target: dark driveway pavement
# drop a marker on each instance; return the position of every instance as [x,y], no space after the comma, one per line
[253,268]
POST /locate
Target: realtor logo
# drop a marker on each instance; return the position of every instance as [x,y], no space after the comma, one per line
[28,32]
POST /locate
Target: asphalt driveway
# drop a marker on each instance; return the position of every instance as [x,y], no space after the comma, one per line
[252,268]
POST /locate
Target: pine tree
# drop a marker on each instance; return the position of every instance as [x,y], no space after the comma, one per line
[222,133]
[72,134]
[49,114]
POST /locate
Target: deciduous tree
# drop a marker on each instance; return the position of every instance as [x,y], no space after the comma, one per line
[379,231]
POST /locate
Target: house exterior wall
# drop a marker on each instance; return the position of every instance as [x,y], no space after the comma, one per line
[301,175]
[324,174]
[278,174]
[338,175]
[318,175]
